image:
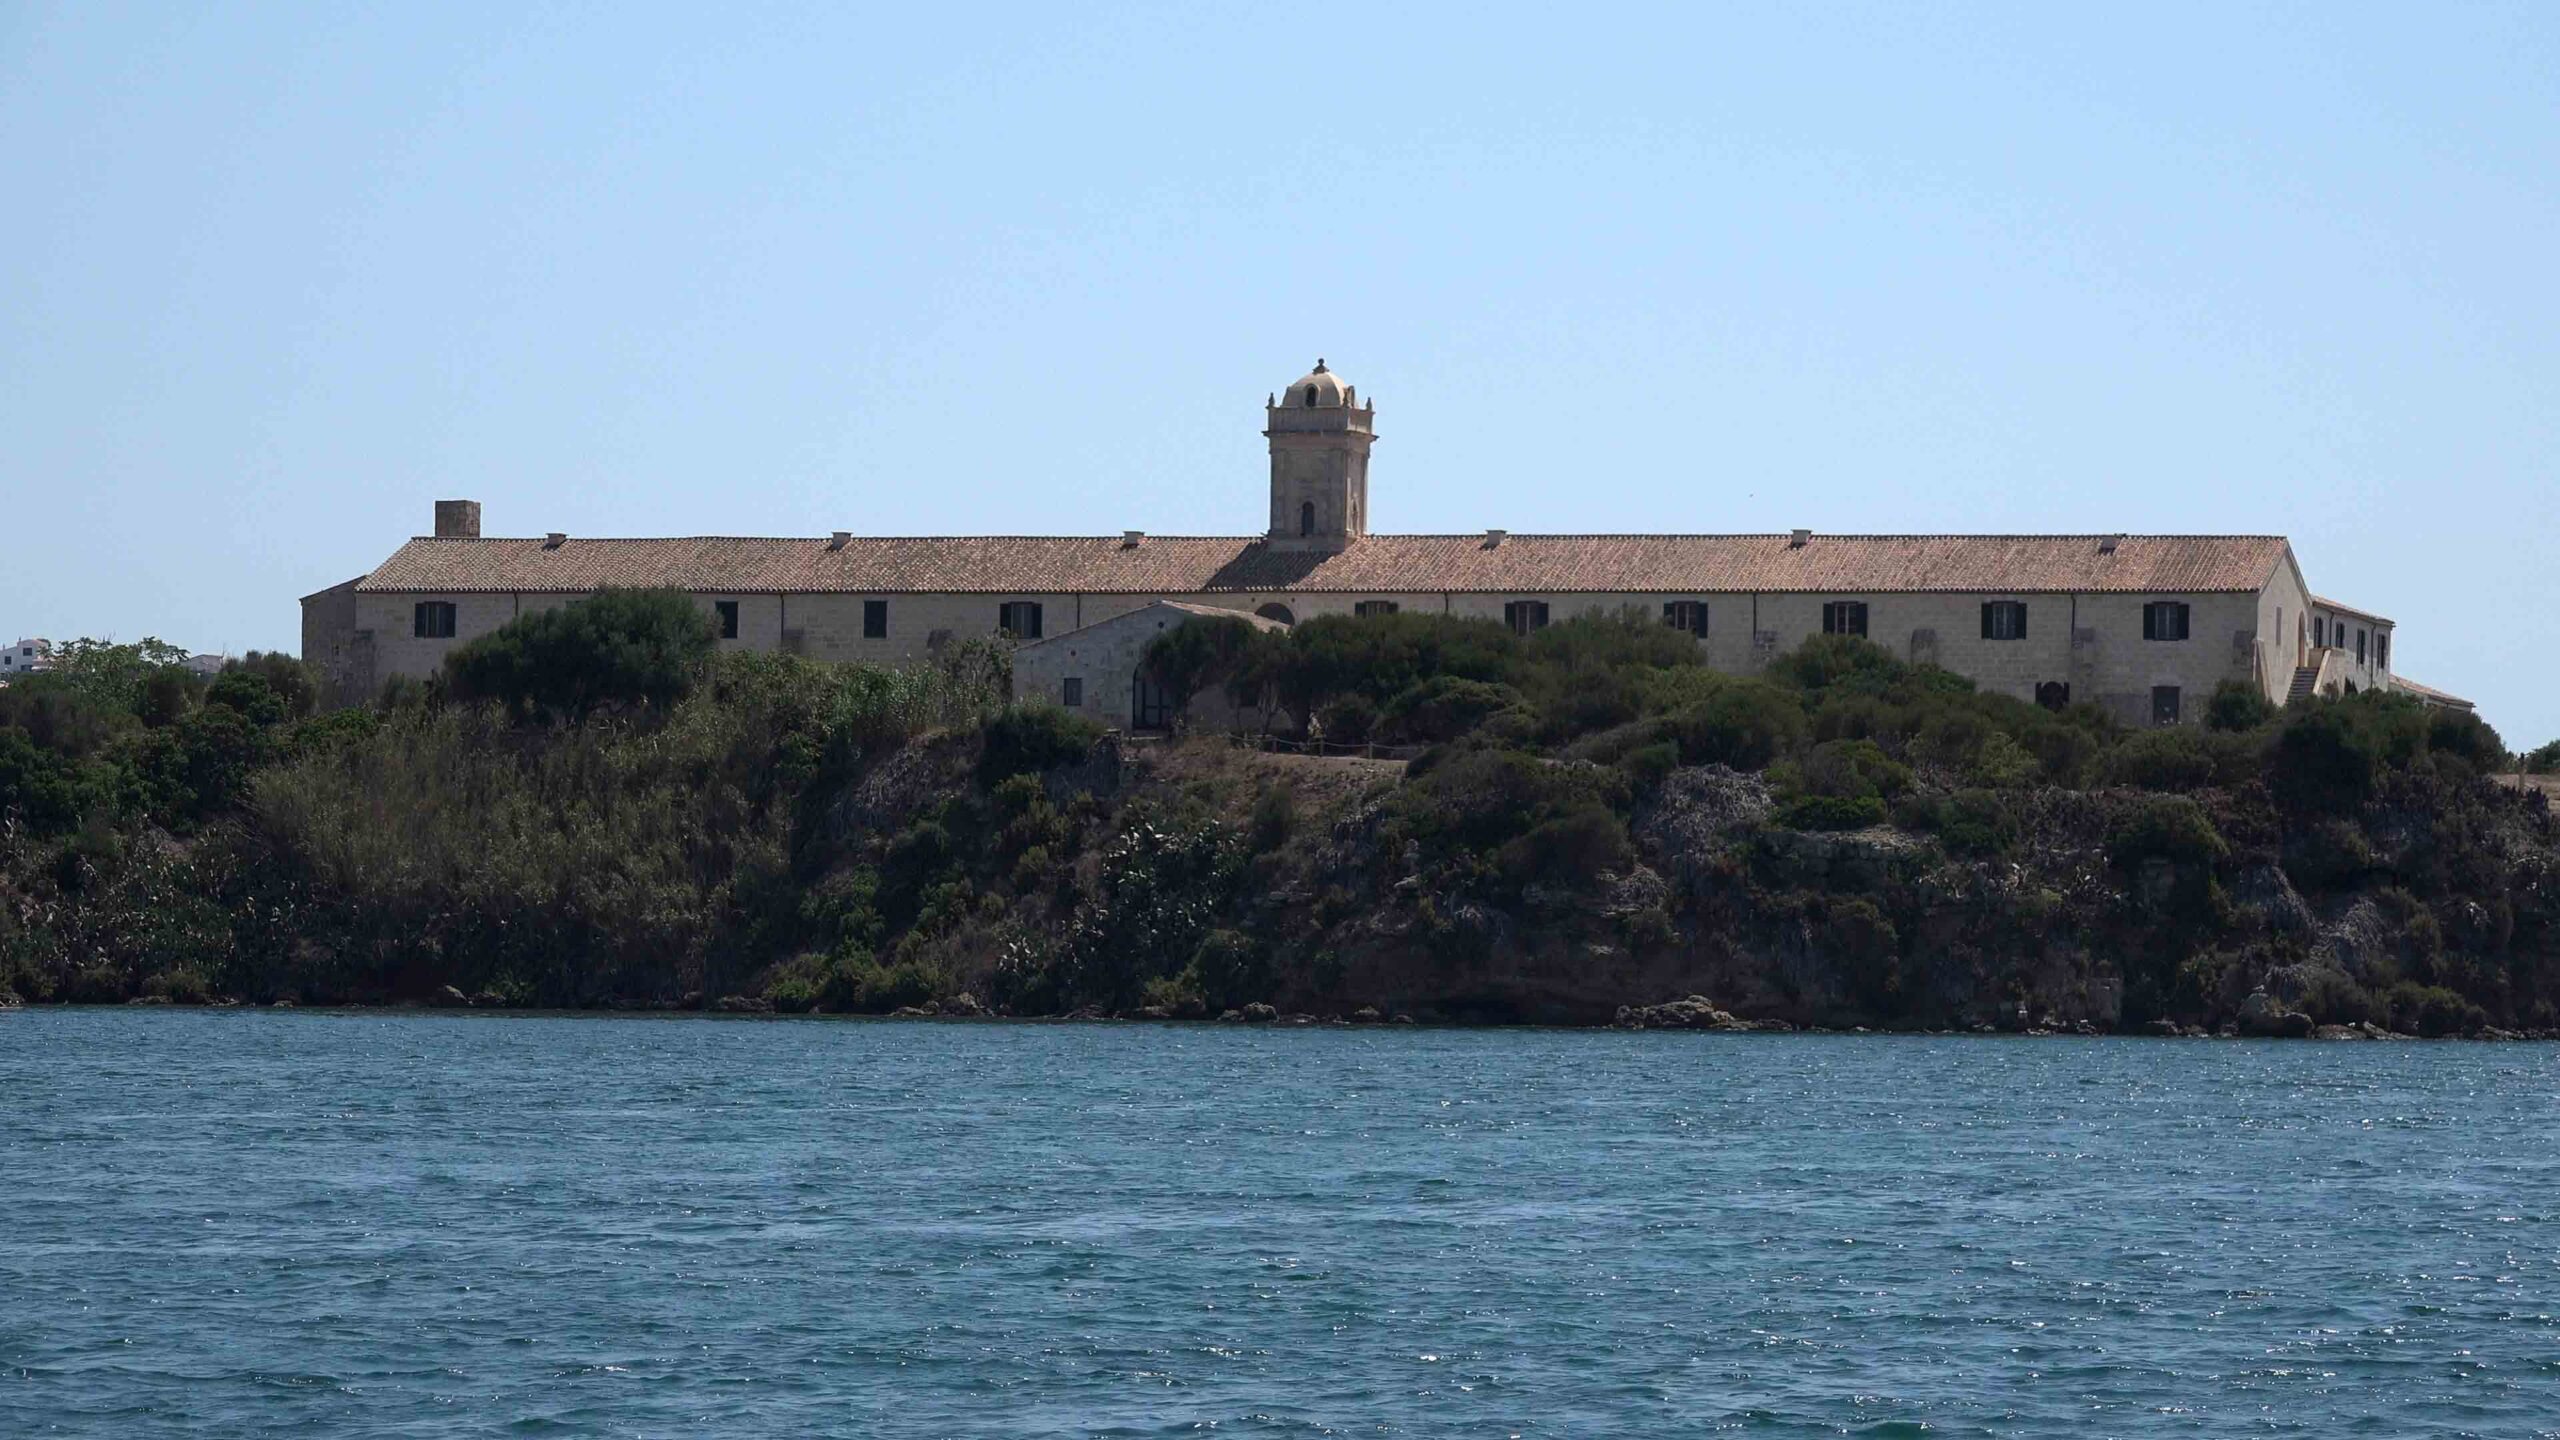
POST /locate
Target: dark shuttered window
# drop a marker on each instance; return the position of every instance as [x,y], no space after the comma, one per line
[1844,617]
[2004,620]
[727,610]
[1019,619]
[1524,616]
[434,620]
[2164,620]
[1688,615]
[875,619]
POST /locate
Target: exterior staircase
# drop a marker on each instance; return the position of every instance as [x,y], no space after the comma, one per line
[2306,678]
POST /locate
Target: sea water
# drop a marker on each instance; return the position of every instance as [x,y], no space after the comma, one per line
[277,1223]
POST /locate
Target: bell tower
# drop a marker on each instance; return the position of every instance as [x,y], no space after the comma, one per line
[1320,437]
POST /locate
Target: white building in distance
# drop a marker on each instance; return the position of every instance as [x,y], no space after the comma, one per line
[2144,626]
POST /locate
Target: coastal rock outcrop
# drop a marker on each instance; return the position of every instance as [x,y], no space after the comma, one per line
[1695,1012]
[2260,1017]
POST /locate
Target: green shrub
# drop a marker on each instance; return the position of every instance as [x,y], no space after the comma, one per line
[1029,821]
[2068,746]
[2432,1010]
[1445,707]
[44,791]
[2179,758]
[1381,656]
[1852,769]
[1177,993]
[1159,890]
[1348,720]
[1745,725]
[2325,760]
[867,709]
[2237,705]
[1840,663]
[2333,999]
[2467,738]
[1829,812]
[1228,969]
[247,692]
[1033,738]
[1275,815]
[2164,827]
[1480,800]
[1861,940]
[184,985]
[1856,717]
[2543,759]
[1572,849]
[1202,651]
[1622,640]
[1968,822]
[2002,764]
[1647,766]
[616,648]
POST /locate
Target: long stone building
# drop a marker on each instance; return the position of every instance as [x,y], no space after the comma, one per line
[2143,625]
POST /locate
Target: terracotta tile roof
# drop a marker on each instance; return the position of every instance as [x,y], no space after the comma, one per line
[1376,564]
[2345,609]
[2429,693]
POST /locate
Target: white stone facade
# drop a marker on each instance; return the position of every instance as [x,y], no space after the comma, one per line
[1094,671]
[2084,632]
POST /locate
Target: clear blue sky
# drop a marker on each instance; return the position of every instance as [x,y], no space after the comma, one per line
[278,277]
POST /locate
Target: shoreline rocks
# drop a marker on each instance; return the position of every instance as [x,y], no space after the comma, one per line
[1695,1012]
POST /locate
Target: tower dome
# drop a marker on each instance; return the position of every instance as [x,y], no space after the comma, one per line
[1318,389]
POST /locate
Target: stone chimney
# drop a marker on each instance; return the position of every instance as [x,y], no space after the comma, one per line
[840,539]
[555,540]
[1493,538]
[1799,539]
[1132,539]
[457,519]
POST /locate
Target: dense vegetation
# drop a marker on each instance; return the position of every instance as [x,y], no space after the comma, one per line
[590,808]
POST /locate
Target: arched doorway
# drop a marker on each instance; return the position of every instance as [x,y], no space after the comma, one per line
[2053,694]
[1276,611]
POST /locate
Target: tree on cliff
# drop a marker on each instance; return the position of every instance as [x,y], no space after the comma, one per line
[617,648]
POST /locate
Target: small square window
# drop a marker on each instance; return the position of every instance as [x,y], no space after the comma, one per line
[1019,619]
[1844,617]
[875,619]
[1524,616]
[728,612]
[1689,616]
[1073,692]
[2164,620]
[434,620]
[2004,620]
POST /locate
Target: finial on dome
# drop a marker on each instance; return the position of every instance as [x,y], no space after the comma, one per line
[1320,365]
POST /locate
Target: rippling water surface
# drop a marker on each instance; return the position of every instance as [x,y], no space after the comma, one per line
[261,1223]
